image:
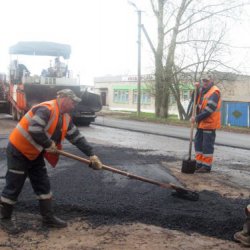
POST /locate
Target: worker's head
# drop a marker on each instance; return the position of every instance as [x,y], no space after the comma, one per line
[206,79]
[67,100]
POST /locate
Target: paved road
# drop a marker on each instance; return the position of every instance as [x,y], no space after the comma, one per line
[105,199]
[229,139]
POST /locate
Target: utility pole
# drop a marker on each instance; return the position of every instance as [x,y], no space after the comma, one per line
[139,66]
[139,59]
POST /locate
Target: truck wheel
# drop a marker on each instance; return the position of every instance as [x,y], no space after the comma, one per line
[7,108]
[86,124]
[4,108]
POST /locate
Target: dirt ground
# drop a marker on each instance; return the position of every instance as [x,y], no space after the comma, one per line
[81,234]
[214,181]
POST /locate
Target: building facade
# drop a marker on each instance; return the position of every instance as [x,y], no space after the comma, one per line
[121,92]
[235,90]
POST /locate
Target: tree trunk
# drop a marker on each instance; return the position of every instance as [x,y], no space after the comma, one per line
[161,97]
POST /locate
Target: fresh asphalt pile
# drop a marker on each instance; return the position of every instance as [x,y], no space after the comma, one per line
[102,198]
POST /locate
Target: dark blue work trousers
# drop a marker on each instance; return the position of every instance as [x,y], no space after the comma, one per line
[19,168]
[204,147]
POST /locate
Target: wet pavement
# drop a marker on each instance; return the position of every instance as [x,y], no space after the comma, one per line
[104,198]
[222,138]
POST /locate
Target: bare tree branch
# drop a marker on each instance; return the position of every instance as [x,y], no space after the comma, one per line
[170,16]
[204,44]
[148,39]
[210,15]
[153,8]
[205,61]
[202,10]
[208,40]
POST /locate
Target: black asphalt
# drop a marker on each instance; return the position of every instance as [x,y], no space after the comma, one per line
[102,198]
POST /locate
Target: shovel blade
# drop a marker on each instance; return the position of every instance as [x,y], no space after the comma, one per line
[188,166]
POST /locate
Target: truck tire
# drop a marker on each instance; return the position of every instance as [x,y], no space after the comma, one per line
[83,123]
[4,108]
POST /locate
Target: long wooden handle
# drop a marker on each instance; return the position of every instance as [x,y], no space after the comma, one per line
[192,125]
[132,176]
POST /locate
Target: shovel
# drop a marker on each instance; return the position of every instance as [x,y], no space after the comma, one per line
[189,165]
[180,192]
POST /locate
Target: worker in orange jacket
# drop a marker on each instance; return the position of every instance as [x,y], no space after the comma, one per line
[38,135]
[208,119]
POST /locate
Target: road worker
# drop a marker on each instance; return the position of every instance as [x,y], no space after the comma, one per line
[60,68]
[37,136]
[244,236]
[208,119]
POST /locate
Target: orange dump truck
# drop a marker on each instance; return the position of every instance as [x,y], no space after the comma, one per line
[27,89]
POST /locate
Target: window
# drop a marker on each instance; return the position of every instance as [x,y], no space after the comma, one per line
[145,97]
[120,96]
[186,95]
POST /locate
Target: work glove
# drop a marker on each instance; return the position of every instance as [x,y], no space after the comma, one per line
[95,162]
[52,148]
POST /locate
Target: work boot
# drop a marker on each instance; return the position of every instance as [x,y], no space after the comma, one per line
[244,236]
[7,224]
[198,166]
[49,219]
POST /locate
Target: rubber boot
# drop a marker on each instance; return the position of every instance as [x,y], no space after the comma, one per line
[244,236]
[49,219]
[6,222]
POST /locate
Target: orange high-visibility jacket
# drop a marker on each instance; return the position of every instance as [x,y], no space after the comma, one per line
[213,121]
[23,141]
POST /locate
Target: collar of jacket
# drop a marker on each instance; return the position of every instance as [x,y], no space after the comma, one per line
[205,90]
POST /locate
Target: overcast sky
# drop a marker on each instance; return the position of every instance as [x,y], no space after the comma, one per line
[102,33]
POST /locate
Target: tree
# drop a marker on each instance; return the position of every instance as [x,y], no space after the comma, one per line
[179,25]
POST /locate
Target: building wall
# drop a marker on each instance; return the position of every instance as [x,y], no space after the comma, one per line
[235,91]
[236,88]
[111,84]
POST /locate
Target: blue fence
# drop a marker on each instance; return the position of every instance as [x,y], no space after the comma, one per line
[236,114]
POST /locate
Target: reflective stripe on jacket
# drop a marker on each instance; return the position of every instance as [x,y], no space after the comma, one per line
[213,121]
[23,141]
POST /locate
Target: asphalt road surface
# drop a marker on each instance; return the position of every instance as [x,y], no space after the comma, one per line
[222,138]
[104,198]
